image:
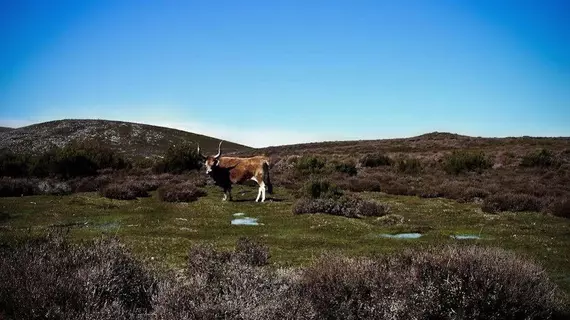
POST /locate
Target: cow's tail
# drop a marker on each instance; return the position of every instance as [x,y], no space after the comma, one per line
[266,179]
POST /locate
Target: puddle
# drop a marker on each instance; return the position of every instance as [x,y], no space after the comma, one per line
[402,235]
[239,214]
[465,236]
[245,221]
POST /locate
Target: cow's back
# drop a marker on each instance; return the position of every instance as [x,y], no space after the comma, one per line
[243,169]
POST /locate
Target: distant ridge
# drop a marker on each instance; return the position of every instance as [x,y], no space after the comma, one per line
[132,139]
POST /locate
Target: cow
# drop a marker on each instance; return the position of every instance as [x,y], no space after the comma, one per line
[226,171]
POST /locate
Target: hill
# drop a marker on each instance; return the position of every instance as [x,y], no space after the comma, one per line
[4,129]
[422,145]
[132,139]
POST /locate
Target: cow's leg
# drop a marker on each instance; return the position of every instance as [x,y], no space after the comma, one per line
[227,194]
[261,186]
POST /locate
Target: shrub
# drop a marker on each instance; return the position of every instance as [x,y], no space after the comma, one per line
[53,187]
[49,278]
[250,252]
[375,160]
[225,285]
[345,206]
[409,165]
[320,188]
[309,164]
[359,184]
[449,283]
[128,190]
[543,158]
[180,192]
[16,187]
[511,202]
[560,208]
[90,184]
[463,161]
[347,168]
[178,159]
[13,165]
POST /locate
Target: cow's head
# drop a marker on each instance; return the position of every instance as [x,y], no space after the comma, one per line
[211,161]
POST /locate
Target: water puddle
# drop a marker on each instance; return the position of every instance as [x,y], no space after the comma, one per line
[246,221]
[402,235]
[465,236]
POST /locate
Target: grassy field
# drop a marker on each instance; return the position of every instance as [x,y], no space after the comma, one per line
[161,233]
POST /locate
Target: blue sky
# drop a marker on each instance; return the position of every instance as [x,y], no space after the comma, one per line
[277,72]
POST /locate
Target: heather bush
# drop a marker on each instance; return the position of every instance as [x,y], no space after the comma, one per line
[511,202]
[180,192]
[90,184]
[560,207]
[375,160]
[320,188]
[464,161]
[16,187]
[127,190]
[178,159]
[409,165]
[543,158]
[449,283]
[359,184]
[49,278]
[230,285]
[53,187]
[309,164]
[347,168]
[351,207]
[13,165]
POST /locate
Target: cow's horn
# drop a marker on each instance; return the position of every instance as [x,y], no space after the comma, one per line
[219,150]
[199,154]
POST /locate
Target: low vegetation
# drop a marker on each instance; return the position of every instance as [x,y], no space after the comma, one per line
[180,192]
[52,278]
[511,202]
[127,190]
[464,161]
[351,207]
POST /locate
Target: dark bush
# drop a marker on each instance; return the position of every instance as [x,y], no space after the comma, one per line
[511,202]
[359,184]
[464,161]
[320,188]
[90,184]
[543,158]
[13,165]
[224,285]
[49,278]
[181,192]
[560,208]
[16,187]
[310,164]
[347,168]
[127,190]
[178,159]
[250,252]
[409,165]
[375,160]
[453,283]
[351,207]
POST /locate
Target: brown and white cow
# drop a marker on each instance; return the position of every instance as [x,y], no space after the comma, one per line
[233,170]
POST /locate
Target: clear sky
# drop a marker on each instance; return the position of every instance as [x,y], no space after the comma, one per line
[284,71]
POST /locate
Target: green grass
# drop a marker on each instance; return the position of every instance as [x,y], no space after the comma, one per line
[162,232]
